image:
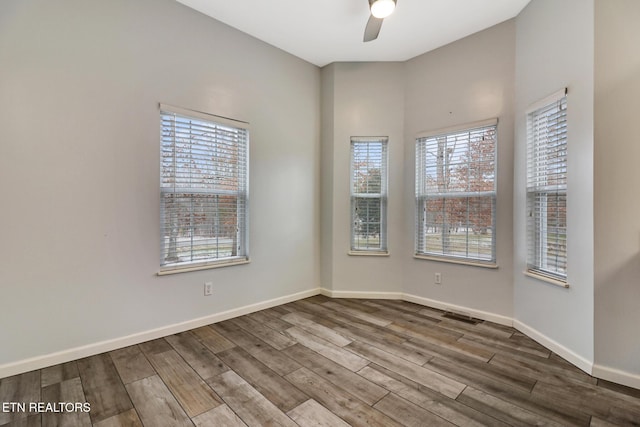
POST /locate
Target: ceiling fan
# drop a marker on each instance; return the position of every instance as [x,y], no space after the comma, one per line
[380,9]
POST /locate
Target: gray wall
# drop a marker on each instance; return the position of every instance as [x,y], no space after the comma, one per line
[469,80]
[617,177]
[366,100]
[554,49]
[79,151]
[80,83]
[326,170]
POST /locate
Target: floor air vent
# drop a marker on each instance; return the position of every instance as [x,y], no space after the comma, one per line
[461,317]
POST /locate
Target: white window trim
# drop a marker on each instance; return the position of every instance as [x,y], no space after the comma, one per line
[470,263]
[553,281]
[227,261]
[206,266]
[368,253]
[537,272]
[383,195]
[421,197]
[457,128]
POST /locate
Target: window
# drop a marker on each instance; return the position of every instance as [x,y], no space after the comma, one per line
[456,193]
[547,187]
[369,195]
[204,190]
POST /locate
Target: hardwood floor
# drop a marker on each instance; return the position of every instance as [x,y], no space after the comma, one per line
[327,362]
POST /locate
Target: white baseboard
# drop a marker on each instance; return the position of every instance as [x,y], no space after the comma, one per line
[51,359]
[361,295]
[598,371]
[616,376]
[562,351]
[484,315]
[604,372]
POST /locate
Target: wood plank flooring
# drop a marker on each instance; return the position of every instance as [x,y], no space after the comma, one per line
[327,362]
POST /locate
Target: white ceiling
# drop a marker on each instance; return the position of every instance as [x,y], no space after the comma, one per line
[326,31]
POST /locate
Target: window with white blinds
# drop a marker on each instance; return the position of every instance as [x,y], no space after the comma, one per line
[456,193]
[547,187]
[369,194]
[204,189]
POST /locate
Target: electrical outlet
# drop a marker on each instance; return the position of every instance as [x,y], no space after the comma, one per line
[208,289]
[438,279]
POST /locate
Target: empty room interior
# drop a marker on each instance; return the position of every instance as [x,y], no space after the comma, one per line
[239,213]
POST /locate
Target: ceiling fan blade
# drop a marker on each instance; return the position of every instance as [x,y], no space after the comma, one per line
[372,29]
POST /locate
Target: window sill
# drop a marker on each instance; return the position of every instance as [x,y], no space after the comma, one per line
[368,253]
[197,267]
[491,265]
[546,279]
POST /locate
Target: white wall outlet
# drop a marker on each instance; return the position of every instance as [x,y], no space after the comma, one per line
[208,289]
[438,278]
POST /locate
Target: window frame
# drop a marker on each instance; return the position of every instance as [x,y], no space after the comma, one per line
[423,195]
[382,248]
[210,141]
[538,189]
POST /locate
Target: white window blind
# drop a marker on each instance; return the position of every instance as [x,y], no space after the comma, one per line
[547,187]
[204,189]
[456,192]
[369,194]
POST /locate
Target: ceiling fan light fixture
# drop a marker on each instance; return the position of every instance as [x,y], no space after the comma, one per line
[382,8]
